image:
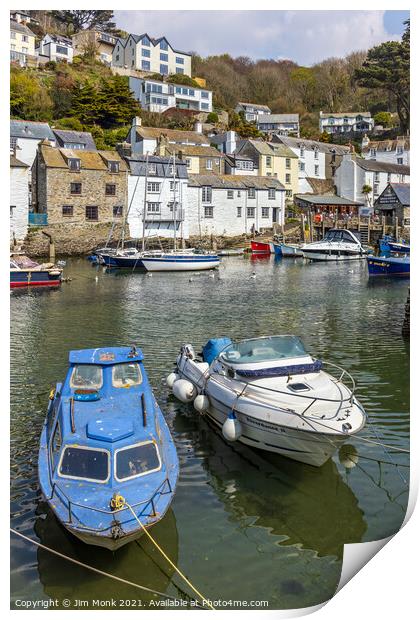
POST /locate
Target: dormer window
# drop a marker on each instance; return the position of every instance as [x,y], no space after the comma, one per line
[113,166]
[151,169]
[163,45]
[145,41]
[74,164]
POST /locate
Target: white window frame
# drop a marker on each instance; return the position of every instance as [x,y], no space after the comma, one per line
[250,210]
[208,212]
[206,194]
[209,164]
[145,473]
[153,207]
[265,212]
[151,185]
[230,194]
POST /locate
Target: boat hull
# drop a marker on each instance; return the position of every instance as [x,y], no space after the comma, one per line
[180,263]
[290,250]
[122,262]
[260,247]
[331,255]
[388,266]
[24,278]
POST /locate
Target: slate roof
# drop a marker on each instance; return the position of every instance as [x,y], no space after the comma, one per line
[402,191]
[267,148]
[383,146]
[195,151]
[78,137]
[231,181]
[56,38]
[325,199]
[31,129]
[323,147]
[17,27]
[138,37]
[342,114]
[89,160]
[173,135]
[16,163]
[277,118]
[137,166]
[258,106]
[372,165]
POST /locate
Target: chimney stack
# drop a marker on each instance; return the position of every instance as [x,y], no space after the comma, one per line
[136,121]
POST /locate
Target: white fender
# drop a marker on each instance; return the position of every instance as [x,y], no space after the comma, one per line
[171,378]
[232,428]
[201,403]
[184,390]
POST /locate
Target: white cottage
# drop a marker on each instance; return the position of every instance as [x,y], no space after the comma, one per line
[232,205]
[25,137]
[19,199]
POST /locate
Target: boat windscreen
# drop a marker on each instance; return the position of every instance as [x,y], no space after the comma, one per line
[85,463]
[86,376]
[126,375]
[264,350]
[136,461]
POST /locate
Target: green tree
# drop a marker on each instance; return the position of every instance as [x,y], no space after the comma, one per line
[383,118]
[29,99]
[115,103]
[387,67]
[80,20]
[212,117]
[85,104]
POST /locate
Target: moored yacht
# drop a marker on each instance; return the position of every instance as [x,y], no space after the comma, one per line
[337,245]
[271,394]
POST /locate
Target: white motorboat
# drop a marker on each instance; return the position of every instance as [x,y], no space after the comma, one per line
[271,394]
[337,245]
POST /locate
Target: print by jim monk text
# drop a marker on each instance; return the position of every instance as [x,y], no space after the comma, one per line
[55,603]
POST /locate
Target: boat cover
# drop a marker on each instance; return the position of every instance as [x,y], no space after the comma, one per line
[282,371]
[213,347]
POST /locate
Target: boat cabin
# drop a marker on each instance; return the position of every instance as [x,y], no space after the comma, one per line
[338,235]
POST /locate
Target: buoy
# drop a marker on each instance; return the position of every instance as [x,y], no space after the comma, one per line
[191,280]
[171,378]
[232,428]
[184,390]
[254,275]
[201,403]
[211,275]
[149,275]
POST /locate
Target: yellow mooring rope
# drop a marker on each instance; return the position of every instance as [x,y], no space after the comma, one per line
[180,573]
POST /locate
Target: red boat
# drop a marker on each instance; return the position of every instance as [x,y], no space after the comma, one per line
[261,247]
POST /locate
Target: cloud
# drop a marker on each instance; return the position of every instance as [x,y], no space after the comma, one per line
[306,37]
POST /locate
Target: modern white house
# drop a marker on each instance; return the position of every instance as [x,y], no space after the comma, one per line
[145,140]
[19,199]
[390,151]
[231,205]
[56,47]
[317,160]
[355,173]
[282,124]
[162,186]
[25,137]
[345,122]
[144,53]
[251,111]
[22,44]
[156,96]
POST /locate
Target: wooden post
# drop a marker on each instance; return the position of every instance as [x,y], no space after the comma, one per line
[335,218]
[396,228]
[358,221]
[383,225]
[51,246]
[302,226]
[311,226]
[323,227]
[368,231]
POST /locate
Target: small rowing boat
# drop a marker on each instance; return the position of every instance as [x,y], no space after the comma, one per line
[25,272]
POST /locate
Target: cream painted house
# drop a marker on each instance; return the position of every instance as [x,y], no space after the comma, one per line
[144,53]
[273,160]
[22,44]
[103,43]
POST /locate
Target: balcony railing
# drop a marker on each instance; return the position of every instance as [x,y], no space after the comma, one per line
[18,57]
[38,219]
[166,217]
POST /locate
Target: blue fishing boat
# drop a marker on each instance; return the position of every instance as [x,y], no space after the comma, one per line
[107,463]
[396,266]
[388,245]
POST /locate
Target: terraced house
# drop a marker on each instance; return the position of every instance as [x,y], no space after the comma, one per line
[144,53]
[79,186]
[273,160]
[22,44]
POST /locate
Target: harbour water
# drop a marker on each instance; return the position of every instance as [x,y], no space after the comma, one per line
[244,525]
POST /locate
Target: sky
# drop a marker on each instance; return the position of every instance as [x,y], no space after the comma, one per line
[306,37]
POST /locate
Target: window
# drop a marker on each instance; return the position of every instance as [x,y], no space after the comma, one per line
[265,212]
[204,94]
[288,177]
[163,69]
[302,166]
[144,41]
[136,461]
[238,211]
[13,47]
[239,193]
[76,188]
[173,185]
[153,207]
[67,210]
[61,50]
[191,92]
[85,463]
[113,166]
[151,169]
[24,50]
[117,57]
[376,177]
[230,194]
[152,187]
[316,171]
[205,106]
[12,35]
[188,162]
[271,193]
[92,213]
[206,194]
[288,193]
[125,375]
[251,192]
[400,150]
[86,376]
[250,212]
[163,45]
[302,151]
[145,65]
[208,212]
[316,154]
[110,189]
[117,211]
[74,164]
[388,177]
[24,38]
[179,70]
[288,163]
[11,210]
[209,164]
[400,160]
[145,53]
[268,161]
[179,60]
[164,57]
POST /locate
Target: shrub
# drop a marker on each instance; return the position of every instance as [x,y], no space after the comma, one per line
[69,122]
[212,117]
[51,64]
[181,78]
[383,118]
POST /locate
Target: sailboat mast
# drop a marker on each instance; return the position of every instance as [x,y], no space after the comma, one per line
[145,203]
[174,202]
